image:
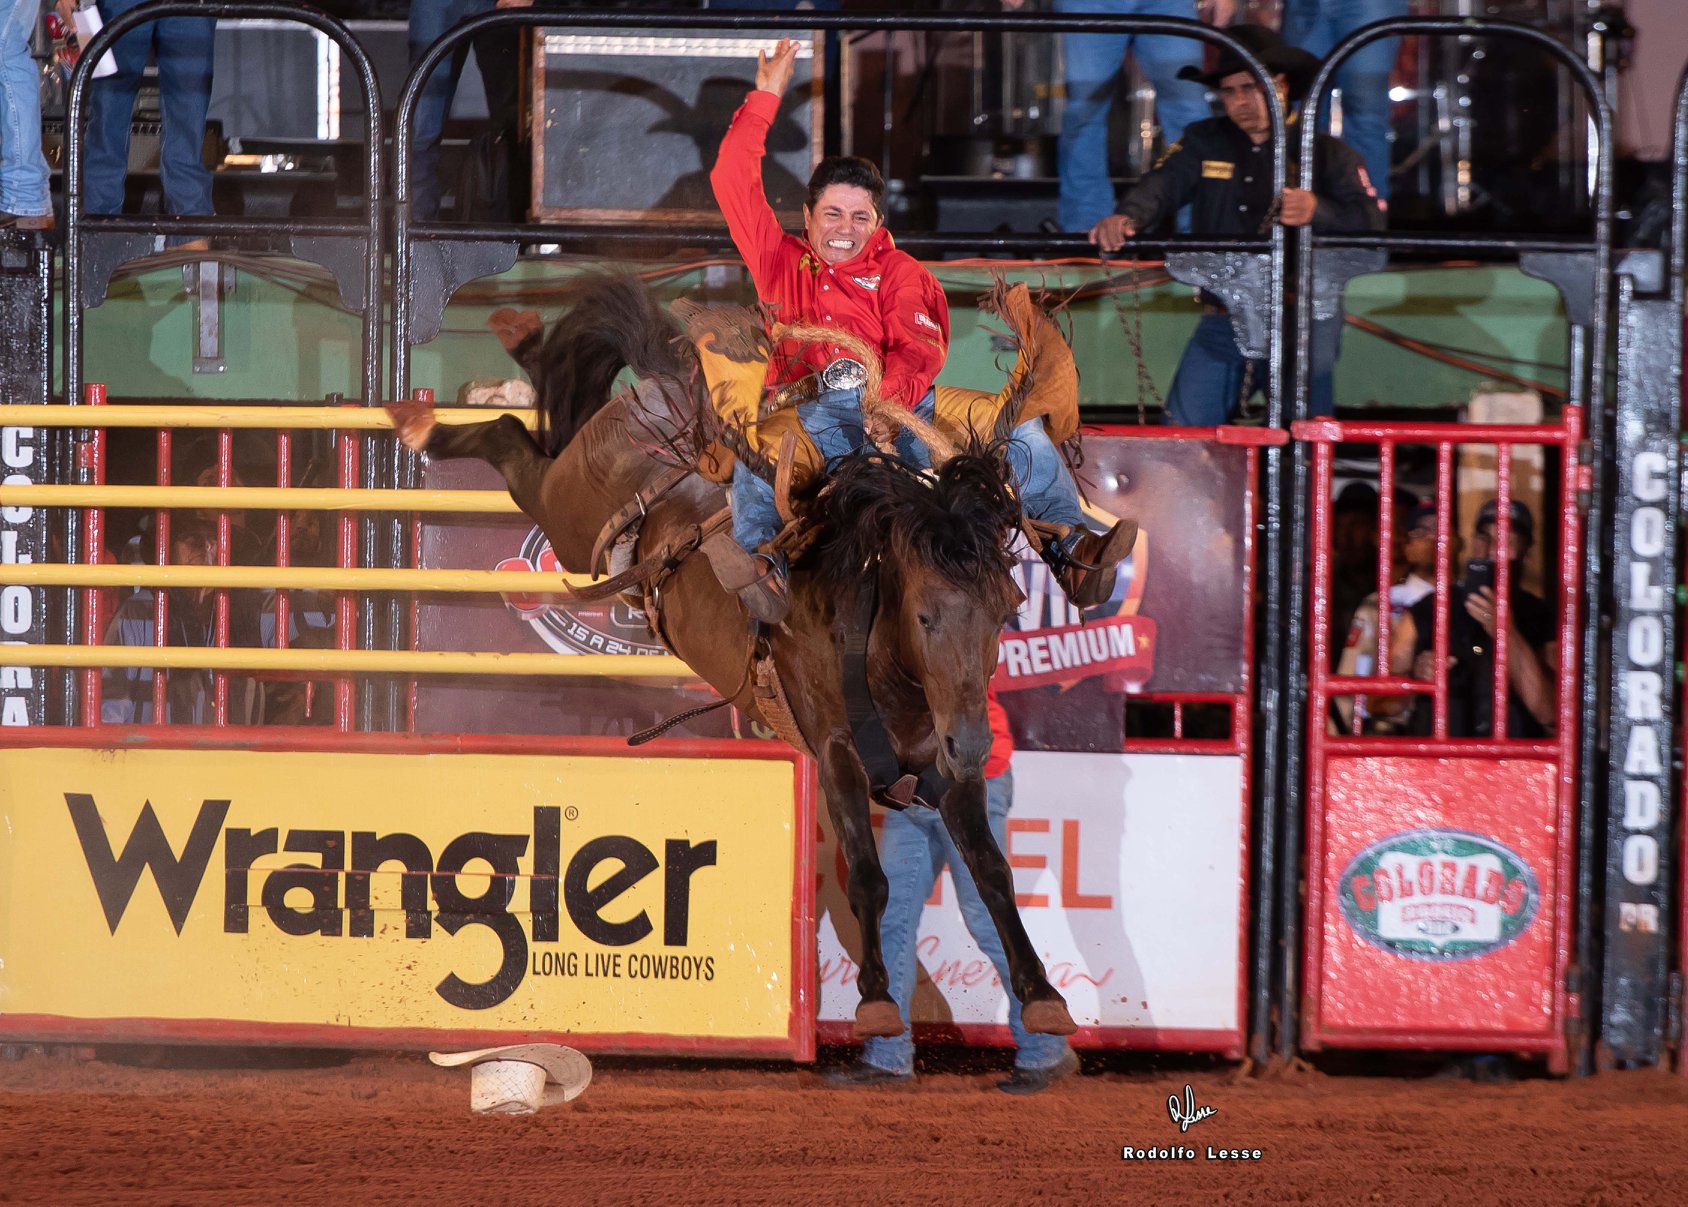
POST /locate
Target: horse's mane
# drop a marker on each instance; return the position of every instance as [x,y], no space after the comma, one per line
[615,322]
[959,520]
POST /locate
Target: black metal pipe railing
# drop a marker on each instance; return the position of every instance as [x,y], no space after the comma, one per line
[1585,387]
[80,226]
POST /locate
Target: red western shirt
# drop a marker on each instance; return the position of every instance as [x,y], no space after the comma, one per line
[1002,741]
[881,295]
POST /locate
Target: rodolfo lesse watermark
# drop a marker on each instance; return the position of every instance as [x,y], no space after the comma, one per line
[1185,1113]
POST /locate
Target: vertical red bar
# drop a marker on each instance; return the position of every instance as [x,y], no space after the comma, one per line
[220,621]
[1498,728]
[1385,557]
[91,458]
[161,597]
[345,614]
[1444,577]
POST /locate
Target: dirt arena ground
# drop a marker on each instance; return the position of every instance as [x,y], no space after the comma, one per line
[377,1129]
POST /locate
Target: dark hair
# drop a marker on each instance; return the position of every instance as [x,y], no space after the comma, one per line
[850,170]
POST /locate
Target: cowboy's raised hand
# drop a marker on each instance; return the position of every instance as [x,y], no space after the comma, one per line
[1111,233]
[773,71]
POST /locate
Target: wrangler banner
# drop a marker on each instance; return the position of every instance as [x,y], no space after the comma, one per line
[649,904]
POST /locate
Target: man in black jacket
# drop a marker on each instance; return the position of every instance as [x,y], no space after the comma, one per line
[1222,169]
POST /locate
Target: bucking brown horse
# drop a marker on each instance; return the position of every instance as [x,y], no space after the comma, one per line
[909,570]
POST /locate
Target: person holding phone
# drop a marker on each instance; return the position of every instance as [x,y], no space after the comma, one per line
[1532,655]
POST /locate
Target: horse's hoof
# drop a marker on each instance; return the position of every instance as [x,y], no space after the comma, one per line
[513,326]
[878,1018]
[413,420]
[1047,1017]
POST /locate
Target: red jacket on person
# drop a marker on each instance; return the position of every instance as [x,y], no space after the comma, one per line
[1002,739]
[882,296]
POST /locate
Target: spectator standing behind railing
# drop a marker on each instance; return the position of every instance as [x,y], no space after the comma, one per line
[25,201]
[495,55]
[1222,168]
[1363,79]
[1093,64]
[183,48]
[1532,654]
[190,617]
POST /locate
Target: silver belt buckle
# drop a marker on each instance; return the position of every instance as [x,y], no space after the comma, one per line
[844,374]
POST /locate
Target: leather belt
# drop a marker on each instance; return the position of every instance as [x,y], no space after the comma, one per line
[842,374]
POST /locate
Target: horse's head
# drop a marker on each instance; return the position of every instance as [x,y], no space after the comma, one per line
[939,547]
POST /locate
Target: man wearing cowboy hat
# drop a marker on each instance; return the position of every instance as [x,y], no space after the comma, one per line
[1222,169]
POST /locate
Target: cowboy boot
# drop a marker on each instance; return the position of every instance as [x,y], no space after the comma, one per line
[1086,562]
[760,580]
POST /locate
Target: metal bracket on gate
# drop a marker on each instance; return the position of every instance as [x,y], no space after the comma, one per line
[1333,268]
[1243,279]
[440,269]
[1572,273]
[102,253]
[346,256]
[208,283]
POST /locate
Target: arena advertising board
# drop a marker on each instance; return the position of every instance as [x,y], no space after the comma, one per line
[1439,898]
[1129,870]
[651,904]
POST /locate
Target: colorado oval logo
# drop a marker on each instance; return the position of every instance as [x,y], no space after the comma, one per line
[1435,894]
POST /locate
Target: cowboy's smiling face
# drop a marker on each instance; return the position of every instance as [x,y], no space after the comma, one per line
[840,224]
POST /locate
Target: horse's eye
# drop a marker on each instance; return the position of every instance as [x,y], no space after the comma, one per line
[925,620]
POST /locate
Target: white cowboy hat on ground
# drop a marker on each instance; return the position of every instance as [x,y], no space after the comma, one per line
[520,1078]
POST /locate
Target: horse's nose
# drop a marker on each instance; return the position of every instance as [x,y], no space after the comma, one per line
[966,747]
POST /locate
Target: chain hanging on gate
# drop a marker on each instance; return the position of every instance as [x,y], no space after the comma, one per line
[1133,328]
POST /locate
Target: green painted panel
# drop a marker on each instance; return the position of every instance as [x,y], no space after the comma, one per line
[284,336]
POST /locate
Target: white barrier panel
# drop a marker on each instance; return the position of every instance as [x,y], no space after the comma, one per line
[1130,872]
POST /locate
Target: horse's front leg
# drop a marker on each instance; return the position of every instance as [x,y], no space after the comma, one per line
[846,788]
[1042,1009]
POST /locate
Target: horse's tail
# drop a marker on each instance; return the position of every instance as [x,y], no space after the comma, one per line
[614,323]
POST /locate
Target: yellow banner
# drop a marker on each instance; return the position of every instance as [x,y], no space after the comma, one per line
[598,896]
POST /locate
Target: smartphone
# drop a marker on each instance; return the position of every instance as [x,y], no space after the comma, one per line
[1479,572]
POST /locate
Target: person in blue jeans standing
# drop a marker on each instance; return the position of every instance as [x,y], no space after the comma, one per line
[183,47]
[914,847]
[495,55]
[25,202]
[1316,26]
[1093,65]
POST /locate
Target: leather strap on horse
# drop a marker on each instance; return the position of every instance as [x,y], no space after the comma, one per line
[662,727]
[888,782]
[635,511]
[660,563]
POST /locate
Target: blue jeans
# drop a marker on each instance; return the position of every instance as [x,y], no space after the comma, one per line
[834,422]
[1093,63]
[1206,390]
[23,170]
[1316,26]
[913,848]
[429,20]
[183,47]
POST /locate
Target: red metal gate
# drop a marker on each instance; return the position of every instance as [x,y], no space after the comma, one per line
[1440,860]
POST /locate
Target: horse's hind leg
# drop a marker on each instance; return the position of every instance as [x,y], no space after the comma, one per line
[847,801]
[504,443]
[1042,1009]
